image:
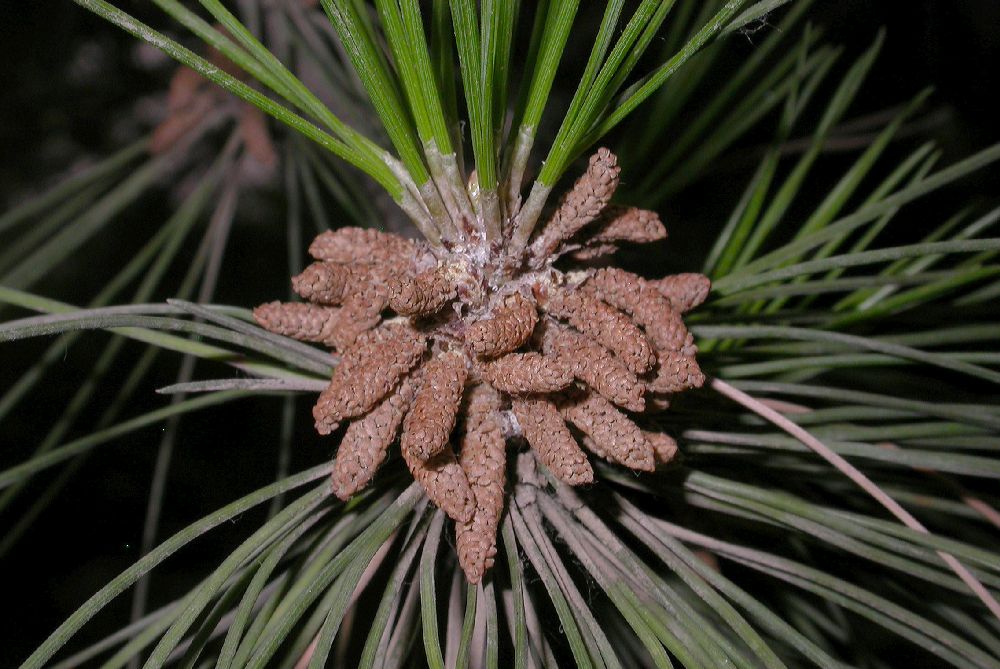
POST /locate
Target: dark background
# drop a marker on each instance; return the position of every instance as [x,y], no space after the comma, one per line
[69,85]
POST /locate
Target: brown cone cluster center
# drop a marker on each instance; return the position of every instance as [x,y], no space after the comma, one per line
[458,360]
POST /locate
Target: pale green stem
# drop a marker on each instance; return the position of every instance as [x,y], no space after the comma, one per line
[461,194]
[518,163]
[448,177]
[450,221]
[528,217]
[436,209]
[412,203]
[489,206]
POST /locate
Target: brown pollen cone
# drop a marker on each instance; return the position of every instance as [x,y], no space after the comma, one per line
[372,298]
[180,121]
[628,224]
[256,137]
[332,326]
[429,423]
[422,294]
[581,205]
[617,438]
[483,458]
[608,326]
[676,372]
[596,366]
[521,373]
[551,440]
[184,85]
[445,483]
[664,446]
[506,330]
[650,309]
[368,370]
[593,252]
[366,441]
[192,99]
[685,291]
[361,245]
[329,283]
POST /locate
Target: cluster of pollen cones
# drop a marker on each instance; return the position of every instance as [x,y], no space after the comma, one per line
[567,360]
[193,100]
